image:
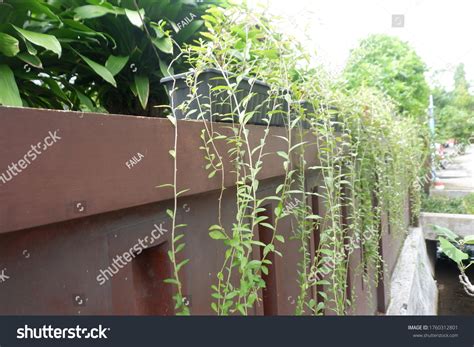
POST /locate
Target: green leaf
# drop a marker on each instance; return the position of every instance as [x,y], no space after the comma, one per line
[93,11]
[280,238]
[101,70]
[469,240]
[164,69]
[33,60]
[85,102]
[215,227]
[135,17]
[171,281]
[56,89]
[441,231]
[267,225]
[158,30]
[115,64]
[9,93]
[73,24]
[189,30]
[179,248]
[217,235]
[282,154]
[46,41]
[133,88]
[164,44]
[31,49]
[143,89]
[452,251]
[267,249]
[36,7]
[9,45]
[180,265]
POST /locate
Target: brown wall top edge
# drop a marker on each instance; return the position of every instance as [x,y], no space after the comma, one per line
[103,163]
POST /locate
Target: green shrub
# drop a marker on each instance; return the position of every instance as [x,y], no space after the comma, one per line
[92,55]
[468,203]
[440,204]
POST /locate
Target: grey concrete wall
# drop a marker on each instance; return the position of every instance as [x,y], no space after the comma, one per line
[461,224]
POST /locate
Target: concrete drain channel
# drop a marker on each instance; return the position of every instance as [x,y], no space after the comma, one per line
[452,299]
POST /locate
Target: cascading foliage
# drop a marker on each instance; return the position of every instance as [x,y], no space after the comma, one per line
[369,162]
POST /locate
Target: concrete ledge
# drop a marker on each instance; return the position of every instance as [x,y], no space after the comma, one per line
[461,224]
[413,288]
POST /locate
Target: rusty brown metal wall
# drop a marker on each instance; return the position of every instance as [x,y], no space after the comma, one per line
[76,207]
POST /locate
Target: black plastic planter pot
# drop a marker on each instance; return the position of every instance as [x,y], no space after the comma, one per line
[213,102]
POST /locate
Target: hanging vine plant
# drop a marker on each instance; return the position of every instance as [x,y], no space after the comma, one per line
[369,161]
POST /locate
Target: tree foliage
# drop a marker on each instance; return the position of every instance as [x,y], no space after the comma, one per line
[454,109]
[392,66]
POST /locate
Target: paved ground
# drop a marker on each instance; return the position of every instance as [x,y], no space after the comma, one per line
[459,175]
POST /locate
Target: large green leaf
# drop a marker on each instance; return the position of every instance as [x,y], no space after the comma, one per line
[442,231]
[85,102]
[31,49]
[135,17]
[9,93]
[452,251]
[36,6]
[46,41]
[93,11]
[142,84]
[217,235]
[101,70]
[33,60]
[469,240]
[9,45]
[85,30]
[189,30]
[164,44]
[115,64]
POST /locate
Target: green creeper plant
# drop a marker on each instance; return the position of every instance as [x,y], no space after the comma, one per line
[369,161]
[239,295]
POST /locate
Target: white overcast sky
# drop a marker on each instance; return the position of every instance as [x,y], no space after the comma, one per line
[441,31]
